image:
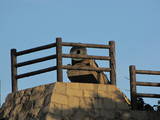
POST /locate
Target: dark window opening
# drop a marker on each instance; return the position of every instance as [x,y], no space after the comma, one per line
[78,51]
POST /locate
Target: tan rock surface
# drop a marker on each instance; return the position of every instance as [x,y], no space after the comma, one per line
[70,101]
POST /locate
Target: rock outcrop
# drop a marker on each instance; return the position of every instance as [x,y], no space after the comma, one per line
[71,101]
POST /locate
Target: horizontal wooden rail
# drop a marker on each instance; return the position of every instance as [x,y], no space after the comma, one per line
[149,72]
[36,60]
[59,65]
[86,45]
[69,67]
[86,57]
[133,85]
[148,84]
[36,72]
[148,95]
[36,49]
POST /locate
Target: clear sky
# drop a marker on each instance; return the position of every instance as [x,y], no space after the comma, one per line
[133,24]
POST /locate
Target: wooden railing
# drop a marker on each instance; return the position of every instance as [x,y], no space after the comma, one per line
[58,56]
[133,83]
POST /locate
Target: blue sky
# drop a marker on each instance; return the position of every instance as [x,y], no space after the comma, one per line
[133,24]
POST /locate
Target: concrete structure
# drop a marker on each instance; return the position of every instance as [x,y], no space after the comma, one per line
[83,76]
[71,101]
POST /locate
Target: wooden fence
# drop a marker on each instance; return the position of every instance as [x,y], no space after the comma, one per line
[133,83]
[58,56]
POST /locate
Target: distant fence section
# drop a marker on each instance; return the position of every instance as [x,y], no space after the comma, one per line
[134,83]
[59,65]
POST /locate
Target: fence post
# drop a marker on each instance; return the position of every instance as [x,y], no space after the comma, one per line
[112,62]
[59,59]
[14,70]
[133,95]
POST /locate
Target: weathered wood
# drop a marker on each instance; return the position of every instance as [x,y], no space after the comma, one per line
[59,59]
[36,72]
[148,84]
[59,56]
[112,62]
[36,60]
[149,72]
[133,90]
[86,57]
[36,49]
[86,45]
[70,67]
[148,95]
[13,70]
